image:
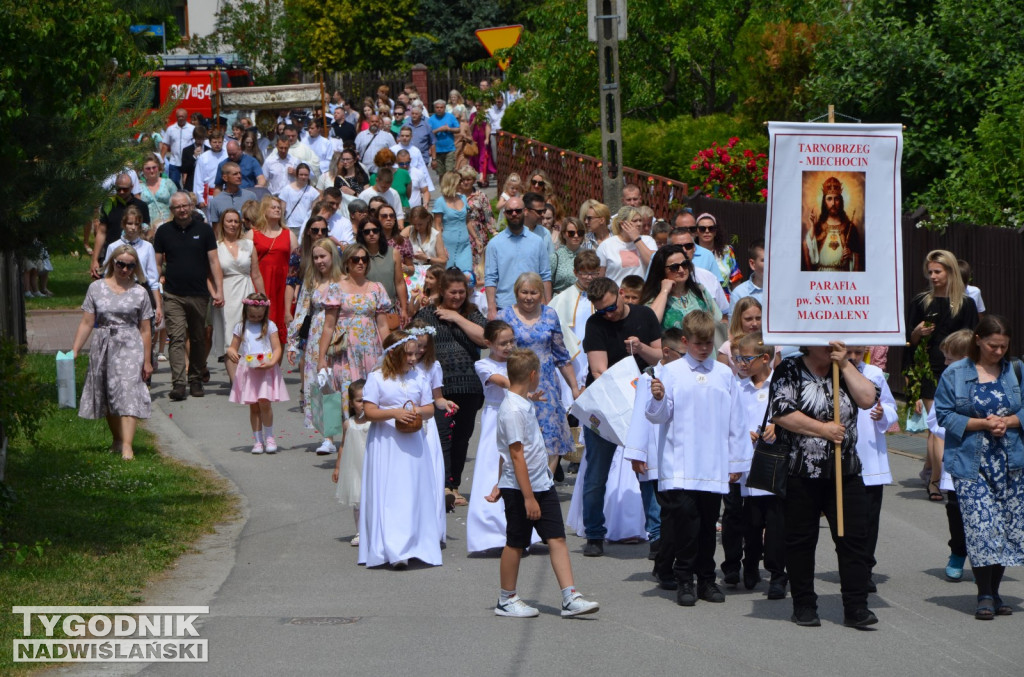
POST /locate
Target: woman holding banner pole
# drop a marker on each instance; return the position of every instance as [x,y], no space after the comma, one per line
[802,406]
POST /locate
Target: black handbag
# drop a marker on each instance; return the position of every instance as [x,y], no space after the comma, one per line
[770,466]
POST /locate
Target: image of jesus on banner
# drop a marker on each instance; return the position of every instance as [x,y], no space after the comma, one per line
[833,240]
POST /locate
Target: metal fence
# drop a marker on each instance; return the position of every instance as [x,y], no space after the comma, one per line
[995,254]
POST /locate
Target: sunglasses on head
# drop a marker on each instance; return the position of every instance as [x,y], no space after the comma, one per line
[513,211]
[360,259]
[371,231]
[706,229]
[124,266]
[606,309]
[675,267]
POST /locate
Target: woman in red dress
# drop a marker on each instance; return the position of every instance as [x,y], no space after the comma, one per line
[274,245]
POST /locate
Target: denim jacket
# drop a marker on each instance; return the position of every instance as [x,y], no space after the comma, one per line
[953,408]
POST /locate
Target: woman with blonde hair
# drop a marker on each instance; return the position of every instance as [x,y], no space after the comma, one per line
[540,183]
[117,310]
[274,244]
[628,251]
[596,218]
[241,278]
[451,218]
[932,316]
[480,219]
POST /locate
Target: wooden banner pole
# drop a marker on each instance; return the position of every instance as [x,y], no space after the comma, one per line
[839,452]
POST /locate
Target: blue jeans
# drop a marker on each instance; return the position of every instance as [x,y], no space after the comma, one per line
[174,174]
[652,510]
[599,453]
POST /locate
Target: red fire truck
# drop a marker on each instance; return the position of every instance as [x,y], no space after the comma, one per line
[194,80]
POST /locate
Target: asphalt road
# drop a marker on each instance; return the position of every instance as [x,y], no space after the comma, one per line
[286,596]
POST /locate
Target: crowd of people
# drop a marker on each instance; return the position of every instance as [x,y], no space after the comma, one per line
[329,254]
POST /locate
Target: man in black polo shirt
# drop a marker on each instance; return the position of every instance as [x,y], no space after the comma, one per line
[615,331]
[111,215]
[189,249]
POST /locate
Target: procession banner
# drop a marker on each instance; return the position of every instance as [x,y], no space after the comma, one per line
[833,238]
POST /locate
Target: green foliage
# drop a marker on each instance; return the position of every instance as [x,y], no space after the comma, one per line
[449,26]
[66,110]
[933,68]
[23,404]
[349,34]
[772,60]
[668,148]
[253,29]
[919,372]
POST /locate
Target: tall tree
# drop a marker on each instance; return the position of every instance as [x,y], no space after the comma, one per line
[449,27]
[253,29]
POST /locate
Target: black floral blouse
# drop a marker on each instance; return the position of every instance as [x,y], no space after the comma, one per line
[795,388]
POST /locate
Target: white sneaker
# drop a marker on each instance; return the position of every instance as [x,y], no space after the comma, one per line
[257,448]
[578,606]
[516,608]
[355,541]
[161,358]
[271,445]
[327,447]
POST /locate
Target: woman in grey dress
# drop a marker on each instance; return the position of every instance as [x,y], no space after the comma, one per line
[117,310]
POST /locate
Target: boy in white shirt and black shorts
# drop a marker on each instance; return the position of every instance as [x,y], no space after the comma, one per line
[527,488]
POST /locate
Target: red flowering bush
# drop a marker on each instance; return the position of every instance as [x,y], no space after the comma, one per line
[731,173]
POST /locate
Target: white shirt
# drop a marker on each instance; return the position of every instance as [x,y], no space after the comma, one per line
[644,438]
[705,436]
[206,172]
[871,447]
[275,168]
[753,402]
[367,145]
[517,422]
[416,161]
[391,196]
[419,179]
[621,259]
[494,116]
[298,205]
[324,149]
[340,228]
[494,394]
[304,153]
[712,286]
[975,294]
[147,259]
[251,343]
[176,139]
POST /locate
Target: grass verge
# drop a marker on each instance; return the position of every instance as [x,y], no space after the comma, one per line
[106,527]
[69,281]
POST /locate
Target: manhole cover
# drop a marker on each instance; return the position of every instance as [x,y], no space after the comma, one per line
[322,620]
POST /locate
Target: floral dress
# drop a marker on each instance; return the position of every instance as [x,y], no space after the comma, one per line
[678,307]
[481,221]
[316,303]
[113,383]
[358,319]
[544,338]
[992,504]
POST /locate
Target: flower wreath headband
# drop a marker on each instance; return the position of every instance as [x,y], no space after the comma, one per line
[255,302]
[413,334]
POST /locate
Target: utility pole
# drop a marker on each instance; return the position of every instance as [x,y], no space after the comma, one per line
[608,26]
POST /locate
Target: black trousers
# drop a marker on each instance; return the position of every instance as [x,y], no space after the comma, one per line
[455,433]
[765,519]
[733,529]
[874,496]
[957,540]
[806,499]
[688,518]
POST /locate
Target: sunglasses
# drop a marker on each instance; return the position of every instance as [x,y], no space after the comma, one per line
[745,359]
[572,233]
[675,267]
[588,219]
[513,211]
[607,309]
[371,231]
[124,266]
[537,183]
[360,259]
[319,231]
[688,246]
[706,229]
[405,165]
[124,189]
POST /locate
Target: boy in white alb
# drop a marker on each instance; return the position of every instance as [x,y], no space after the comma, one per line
[871,448]
[698,400]
[764,515]
[527,488]
[641,449]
